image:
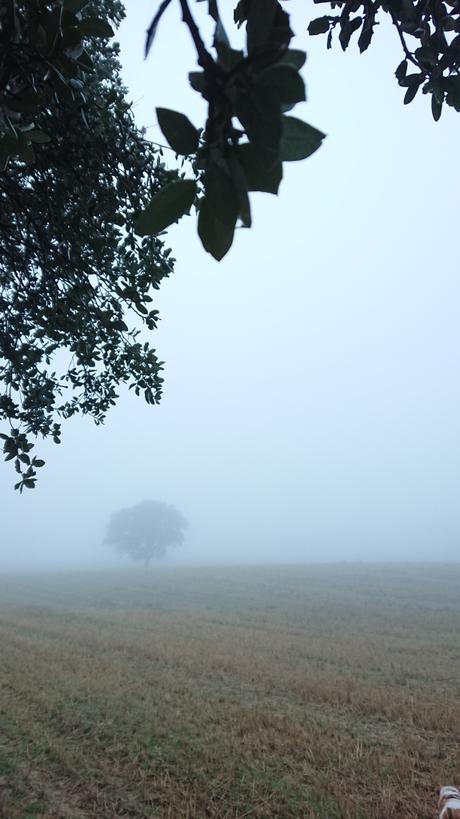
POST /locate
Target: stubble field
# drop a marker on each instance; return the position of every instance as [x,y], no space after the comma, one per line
[326,692]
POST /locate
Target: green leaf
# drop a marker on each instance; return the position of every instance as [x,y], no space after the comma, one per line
[9,146]
[241,12]
[213,10]
[299,140]
[72,40]
[283,84]
[240,185]
[261,17]
[260,117]
[221,42]
[221,194]
[37,136]
[94,27]
[409,10]
[426,55]
[26,103]
[412,80]
[437,90]
[51,23]
[198,82]
[38,463]
[166,207]
[401,70]
[293,57]
[181,135]
[26,153]
[412,88]
[451,86]
[229,57]
[348,28]
[365,38]
[436,107]
[121,325]
[319,26]
[262,172]
[85,62]
[216,237]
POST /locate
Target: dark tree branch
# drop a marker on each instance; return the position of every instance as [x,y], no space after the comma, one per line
[407,51]
[204,57]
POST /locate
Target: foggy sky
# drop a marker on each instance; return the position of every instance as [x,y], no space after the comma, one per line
[311,405]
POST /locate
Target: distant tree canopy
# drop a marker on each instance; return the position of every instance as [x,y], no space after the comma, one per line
[75,172]
[85,197]
[146,531]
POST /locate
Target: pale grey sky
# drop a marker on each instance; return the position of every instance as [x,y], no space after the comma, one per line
[312,398]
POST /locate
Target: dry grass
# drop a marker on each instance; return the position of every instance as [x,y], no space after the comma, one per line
[285,692]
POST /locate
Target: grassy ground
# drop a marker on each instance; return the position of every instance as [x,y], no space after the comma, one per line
[328,692]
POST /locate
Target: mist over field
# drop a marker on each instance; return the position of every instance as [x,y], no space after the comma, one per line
[321,692]
[311,403]
[242,602]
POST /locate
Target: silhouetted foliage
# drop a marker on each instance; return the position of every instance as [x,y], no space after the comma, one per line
[75,172]
[247,135]
[146,531]
[80,227]
[429,34]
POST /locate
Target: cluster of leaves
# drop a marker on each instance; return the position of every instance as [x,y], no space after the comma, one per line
[42,60]
[248,133]
[147,530]
[72,268]
[429,32]
[84,196]
[17,446]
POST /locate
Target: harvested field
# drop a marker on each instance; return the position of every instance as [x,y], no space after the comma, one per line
[327,692]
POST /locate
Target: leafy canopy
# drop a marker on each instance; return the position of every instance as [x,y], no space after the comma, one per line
[84,197]
[248,134]
[75,279]
[429,34]
[147,530]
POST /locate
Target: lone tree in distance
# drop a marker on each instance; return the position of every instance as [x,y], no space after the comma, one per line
[147,530]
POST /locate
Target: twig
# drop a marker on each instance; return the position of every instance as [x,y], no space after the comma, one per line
[204,57]
[409,55]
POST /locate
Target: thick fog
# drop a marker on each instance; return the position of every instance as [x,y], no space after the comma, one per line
[311,406]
